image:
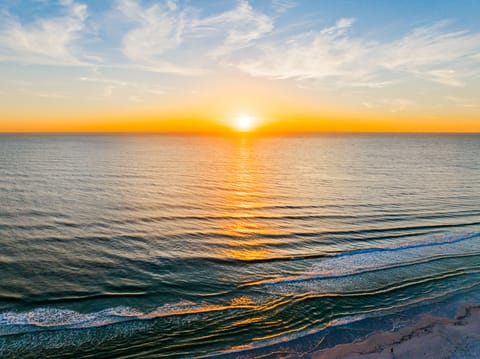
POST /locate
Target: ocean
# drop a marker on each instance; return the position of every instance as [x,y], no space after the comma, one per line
[187,246]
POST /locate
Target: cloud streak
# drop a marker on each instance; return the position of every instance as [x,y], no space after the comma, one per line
[157,29]
[430,53]
[162,33]
[434,54]
[324,54]
[109,85]
[240,28]
[46,41]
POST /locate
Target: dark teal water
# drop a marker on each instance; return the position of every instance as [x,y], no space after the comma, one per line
[164,246]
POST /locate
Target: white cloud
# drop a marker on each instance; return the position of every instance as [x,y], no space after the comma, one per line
[43,94]
[172,5]
[430,53]
[46,41]
[434,54]
[462,102]
[372,84]
[158,29]
[427,46]
[163,33]
[160,66]
[281,6]
[398,104]
[390,104]
[339,28]
[327,53]
[443,76]
[241,26]
[162,37]
[109,85]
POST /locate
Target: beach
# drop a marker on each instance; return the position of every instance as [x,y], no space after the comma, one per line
[431,337]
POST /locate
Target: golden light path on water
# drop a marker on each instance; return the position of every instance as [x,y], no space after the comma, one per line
[244,203]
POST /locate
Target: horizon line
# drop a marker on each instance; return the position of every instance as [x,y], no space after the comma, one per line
[238,134]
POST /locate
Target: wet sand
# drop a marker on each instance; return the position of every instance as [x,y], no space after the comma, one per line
[431,337]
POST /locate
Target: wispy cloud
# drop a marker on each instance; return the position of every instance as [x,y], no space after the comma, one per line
[56,39]
[159,66]
[157,29]
[239,27]
[462,102]
[433,53]
[398,104]
[164,31]
[390,104]
[282,6]
[430,53]
[46,41]
[109,85]
[108,81]
[313,55]
[43,94]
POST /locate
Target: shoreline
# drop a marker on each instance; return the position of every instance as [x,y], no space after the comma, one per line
[431,337]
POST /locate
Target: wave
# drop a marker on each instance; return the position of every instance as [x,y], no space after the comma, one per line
[56,219]
[397,257]
[390,246]
[432,257]
[321,276]
[322,331]
[256,214]
[56,319]
[383,280]
[431,242]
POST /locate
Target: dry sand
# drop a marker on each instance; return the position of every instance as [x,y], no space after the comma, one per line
[431,337]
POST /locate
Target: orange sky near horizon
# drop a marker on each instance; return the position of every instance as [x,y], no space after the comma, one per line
[277,108]
[261,126]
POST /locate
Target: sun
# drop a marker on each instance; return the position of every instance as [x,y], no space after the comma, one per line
[244,123]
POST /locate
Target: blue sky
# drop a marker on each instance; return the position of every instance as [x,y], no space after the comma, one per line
[380,56]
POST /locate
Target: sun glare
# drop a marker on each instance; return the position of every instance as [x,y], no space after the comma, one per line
[244,123]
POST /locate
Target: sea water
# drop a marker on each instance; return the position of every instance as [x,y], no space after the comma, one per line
[184,246]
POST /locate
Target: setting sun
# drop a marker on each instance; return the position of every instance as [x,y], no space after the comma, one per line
[244,123]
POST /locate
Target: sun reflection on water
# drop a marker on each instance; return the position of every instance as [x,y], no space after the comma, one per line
[244,235]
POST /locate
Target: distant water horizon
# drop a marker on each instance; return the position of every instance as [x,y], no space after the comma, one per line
[123,245]
[234,133]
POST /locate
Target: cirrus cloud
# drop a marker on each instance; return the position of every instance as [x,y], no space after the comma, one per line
[431,53]
[45,41]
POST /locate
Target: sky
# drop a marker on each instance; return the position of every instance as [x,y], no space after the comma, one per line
[196,66]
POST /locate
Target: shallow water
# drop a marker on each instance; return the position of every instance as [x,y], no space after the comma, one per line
[121,245]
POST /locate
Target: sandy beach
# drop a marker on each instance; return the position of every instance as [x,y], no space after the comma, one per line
[431,337]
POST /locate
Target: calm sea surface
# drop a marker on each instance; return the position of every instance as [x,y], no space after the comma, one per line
[164,246]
